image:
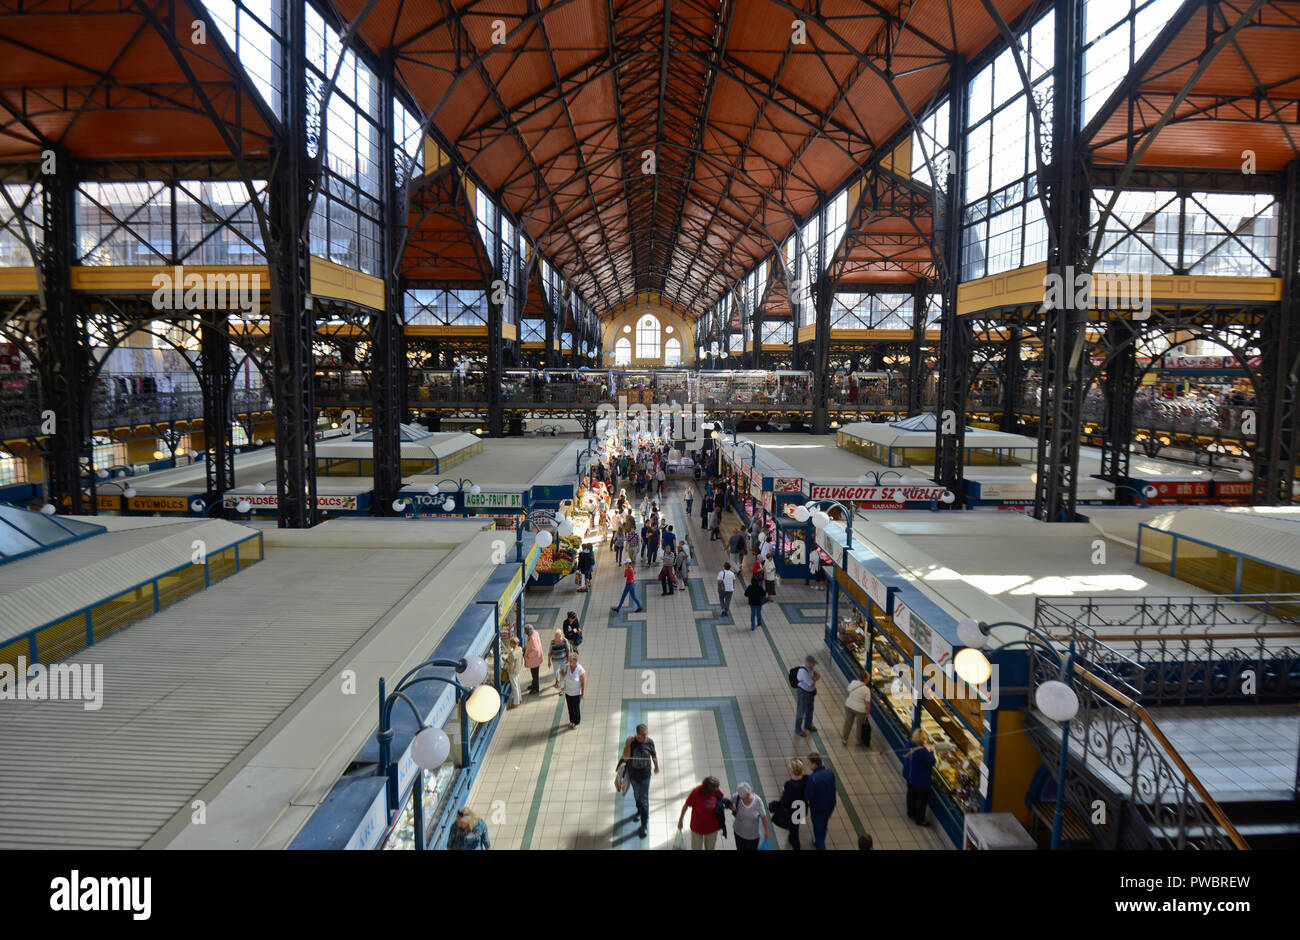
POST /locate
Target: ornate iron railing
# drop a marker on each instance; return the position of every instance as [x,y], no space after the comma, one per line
[1116,743]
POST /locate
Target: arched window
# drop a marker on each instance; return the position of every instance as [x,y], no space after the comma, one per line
[623,352]
[647,337]
[672,352]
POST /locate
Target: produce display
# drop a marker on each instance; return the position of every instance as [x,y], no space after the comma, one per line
[560,556]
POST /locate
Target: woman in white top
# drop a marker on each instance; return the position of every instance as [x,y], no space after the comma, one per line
[769,575]
[575,687]
[856,706]
[751,819]
[815,568]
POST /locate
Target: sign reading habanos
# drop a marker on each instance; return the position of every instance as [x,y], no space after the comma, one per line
[880,494]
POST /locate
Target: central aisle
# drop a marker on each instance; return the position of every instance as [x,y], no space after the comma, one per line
[715,697]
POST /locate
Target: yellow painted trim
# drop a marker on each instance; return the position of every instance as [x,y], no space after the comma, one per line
[806,333]
[139,278]
[339,283]
[446,331]
[18,280]
[1021,286]
[1203,287]
[509,332]
[871,334]
[434,158]
[899,162]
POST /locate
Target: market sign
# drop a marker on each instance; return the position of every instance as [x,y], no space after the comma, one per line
[494,500]
[159,503]
[926,639]
[788,484]
[874,587]
[1186,490]
[272,501]
[105,501]
[1226,490]
[880,494]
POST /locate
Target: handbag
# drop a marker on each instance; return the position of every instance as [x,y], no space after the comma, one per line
[620,777]
[679,841]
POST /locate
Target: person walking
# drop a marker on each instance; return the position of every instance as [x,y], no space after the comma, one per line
[769,577]
[815,568]
[575,689]
[642,762]
[706,511]
[820,793]
[586,566]
[559,656]
[790,811]
[515,673]
[652,545]
[618,541]
[645,538]
[715,524]
[703,804]
[629,588]
[669,538]
[667,574]
[572,630]
[918,763]
[533,657]
[631,539]
[751,819]
[684,557]
[757,597]
[856,709]
[662,479]
[469,833]
[726,585]
[736,548]
[688,498]
[805,694]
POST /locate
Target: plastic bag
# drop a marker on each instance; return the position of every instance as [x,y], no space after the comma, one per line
[679,841]
[765,846]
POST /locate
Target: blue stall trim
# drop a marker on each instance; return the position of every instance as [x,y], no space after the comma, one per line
[339,822]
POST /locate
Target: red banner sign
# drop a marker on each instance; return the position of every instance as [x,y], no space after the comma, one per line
[880,494]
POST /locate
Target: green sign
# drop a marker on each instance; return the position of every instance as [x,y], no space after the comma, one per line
[494,500]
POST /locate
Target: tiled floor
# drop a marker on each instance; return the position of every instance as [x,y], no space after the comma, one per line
[716,699]
[1236,749]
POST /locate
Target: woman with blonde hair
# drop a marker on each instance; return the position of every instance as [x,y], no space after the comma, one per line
[791,809]
[918,764]
[469,833]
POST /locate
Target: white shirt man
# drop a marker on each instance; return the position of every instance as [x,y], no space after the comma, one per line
[726,585]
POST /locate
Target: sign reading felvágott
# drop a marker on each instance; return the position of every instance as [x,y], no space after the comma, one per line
[880,494]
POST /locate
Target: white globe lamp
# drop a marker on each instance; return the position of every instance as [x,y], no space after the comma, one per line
[483,704]
[1057,700]
[430,748]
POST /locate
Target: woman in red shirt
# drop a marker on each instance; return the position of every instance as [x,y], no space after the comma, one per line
[702,802]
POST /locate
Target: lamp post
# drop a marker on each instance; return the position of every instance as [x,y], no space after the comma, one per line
[1146,493]
[820,519]
[448,504]
[430,746]
[1055,698]
[873,477]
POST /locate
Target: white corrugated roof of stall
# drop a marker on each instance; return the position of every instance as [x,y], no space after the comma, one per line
[819,460]
[889,436]
[440,445]
[46,587]
[232,696]
[1269,533]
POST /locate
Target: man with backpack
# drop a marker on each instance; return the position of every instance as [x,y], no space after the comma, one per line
[803,679]
[639,757]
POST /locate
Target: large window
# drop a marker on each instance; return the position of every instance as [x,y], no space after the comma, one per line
[252,29]
[345,223]
[1003,225]
[446,307]
[672,352]
[623,352]
[26,199]
[1116,33]
[647,337]
[1223,234]
[930,163]
[872,312]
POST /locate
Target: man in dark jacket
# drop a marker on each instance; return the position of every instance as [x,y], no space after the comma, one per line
[756,594]
[820,793]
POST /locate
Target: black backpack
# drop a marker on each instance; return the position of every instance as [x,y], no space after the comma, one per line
[794,676]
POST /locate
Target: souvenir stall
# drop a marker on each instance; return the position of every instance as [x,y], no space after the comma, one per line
[881,624]
[770,489]
[753,387]
[791,389]
[715,388]
[673,387]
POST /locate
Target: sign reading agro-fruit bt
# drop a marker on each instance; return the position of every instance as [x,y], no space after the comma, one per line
[879,494]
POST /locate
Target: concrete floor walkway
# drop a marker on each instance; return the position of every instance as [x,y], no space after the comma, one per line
[715,697]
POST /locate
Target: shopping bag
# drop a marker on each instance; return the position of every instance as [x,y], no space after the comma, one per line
[765,846]
[620,778]
[679,841]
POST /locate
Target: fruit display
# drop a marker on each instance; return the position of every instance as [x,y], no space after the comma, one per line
[560,556]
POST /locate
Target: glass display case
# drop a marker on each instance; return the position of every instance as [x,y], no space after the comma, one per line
[672,387]
[517,385]
[436,786]
[715,388]
[792,388]
[753,388]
